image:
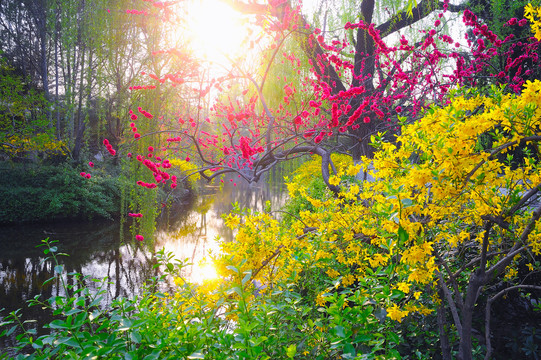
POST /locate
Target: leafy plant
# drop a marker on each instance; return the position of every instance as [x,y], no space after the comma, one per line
[56,192]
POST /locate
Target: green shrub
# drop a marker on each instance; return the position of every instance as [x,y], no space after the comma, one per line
[54,193]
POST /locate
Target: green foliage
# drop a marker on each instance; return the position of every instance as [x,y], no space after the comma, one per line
[55,192]
[23,122]
[296,205]
[190,323]
[158,325]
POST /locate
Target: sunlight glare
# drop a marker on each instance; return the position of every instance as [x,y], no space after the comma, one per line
[217,30]
[205,271]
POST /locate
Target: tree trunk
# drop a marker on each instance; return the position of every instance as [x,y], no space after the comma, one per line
[442,327]
[81,119]
[465,345]
[57,77]
[38,10]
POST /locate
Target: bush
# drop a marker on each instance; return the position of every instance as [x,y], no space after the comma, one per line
[48,193]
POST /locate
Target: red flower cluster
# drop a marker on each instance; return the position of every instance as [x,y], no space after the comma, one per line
[136,12]
[142,87]
[145,113]
[147,185]
[109,147]
[247,150]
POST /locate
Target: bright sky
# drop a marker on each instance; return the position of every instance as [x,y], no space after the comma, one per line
[217,30]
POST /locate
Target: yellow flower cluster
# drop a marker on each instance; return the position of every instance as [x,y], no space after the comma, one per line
[534,15]
[231,221]
[433,193]
[395,313]
[40,142]
[186,167]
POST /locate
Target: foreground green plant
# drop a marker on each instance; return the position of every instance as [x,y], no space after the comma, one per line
[186,322]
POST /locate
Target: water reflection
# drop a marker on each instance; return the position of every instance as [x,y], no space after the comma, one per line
[202,230]
[99,250]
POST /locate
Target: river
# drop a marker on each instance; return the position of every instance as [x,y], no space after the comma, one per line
[103,249]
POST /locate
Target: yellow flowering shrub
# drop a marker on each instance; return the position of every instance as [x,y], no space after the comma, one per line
[437,189]
[186,167]
[18,144]
[534,15]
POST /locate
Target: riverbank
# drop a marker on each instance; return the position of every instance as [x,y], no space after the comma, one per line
[51,193]
[102,248]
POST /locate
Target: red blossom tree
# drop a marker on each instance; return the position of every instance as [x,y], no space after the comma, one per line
[346,91]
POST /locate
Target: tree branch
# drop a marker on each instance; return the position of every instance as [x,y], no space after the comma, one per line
[516,249]
[487,312]
[425,7]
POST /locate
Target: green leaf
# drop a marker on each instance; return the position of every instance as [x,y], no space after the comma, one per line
[349,352]
[80,319]
[403,235]
[407,202]
[96,301]
[125,324]
[196,355]
[58,269]
[238,290]
[136,337]
[67,340]
[363,338]
[11,330]
[73,311]
[340,331]
[291,351]
[57,324]
[259,340]
[393,338]
[246,277]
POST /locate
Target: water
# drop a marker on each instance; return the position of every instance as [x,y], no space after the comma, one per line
[98,250]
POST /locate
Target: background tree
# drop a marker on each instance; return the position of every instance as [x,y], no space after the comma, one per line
[348,92]
[24,126]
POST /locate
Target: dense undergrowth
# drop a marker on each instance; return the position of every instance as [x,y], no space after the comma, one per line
[47,193]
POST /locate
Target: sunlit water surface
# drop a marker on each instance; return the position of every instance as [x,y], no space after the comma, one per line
[106,249]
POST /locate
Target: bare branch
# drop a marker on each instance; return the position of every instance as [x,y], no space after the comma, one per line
[425,7]
[488,308]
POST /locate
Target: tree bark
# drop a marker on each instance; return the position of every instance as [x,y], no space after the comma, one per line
[38,11]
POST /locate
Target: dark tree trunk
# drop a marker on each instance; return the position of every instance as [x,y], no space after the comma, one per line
[81,118]
[38,10]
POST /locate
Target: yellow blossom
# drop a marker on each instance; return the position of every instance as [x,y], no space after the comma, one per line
[377,260]
[232,221]
[511,273]
[348,280]
[334,180]
[332,273]
[320,300]
[395,313]
[404,287]
[353,170]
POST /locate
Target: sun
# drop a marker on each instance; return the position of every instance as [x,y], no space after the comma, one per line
[216,31]
[205,272]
